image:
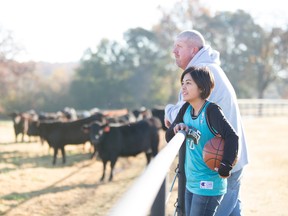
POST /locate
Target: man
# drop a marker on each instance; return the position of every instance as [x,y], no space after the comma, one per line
[190,50]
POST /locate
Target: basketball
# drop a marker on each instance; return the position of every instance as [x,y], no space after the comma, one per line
[213,152]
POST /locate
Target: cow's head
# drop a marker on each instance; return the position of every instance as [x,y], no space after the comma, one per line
[96,131]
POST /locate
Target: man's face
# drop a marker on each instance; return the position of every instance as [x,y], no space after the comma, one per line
[183,52]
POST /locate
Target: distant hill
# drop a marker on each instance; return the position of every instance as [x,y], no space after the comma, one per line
[46,68]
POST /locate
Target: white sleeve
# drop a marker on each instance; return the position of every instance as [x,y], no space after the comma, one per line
[171,110]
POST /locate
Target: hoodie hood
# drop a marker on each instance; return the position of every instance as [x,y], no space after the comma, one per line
[205,57]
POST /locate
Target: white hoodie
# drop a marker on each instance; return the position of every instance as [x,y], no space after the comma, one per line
[223,94]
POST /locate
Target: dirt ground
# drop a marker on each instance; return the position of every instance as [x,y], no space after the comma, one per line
[30,185]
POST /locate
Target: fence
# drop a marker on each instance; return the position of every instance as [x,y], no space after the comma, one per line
[263,107]
[138,200]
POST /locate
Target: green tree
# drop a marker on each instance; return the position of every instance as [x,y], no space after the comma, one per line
[99,79]
[131,74]
[149,78]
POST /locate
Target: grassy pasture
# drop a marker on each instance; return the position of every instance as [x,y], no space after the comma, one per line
[30,185]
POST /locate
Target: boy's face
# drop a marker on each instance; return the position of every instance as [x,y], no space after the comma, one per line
[190,90]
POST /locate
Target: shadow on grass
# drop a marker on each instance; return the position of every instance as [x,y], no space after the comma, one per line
[18,159]
[19,142]
[24,197]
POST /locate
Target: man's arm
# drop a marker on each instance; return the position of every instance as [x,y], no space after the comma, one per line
[171,111]
[179,118]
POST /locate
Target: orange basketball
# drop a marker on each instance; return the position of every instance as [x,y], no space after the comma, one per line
[213,152]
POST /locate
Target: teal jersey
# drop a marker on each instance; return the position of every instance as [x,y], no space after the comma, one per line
[199,178]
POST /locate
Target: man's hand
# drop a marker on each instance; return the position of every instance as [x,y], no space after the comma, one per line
[167,123]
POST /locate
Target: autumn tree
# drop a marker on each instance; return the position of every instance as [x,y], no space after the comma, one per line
[13,74]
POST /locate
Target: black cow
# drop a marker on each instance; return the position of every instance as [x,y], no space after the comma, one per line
[21,123]
[33,129]
[159,113]
[112,142]
[58,134]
